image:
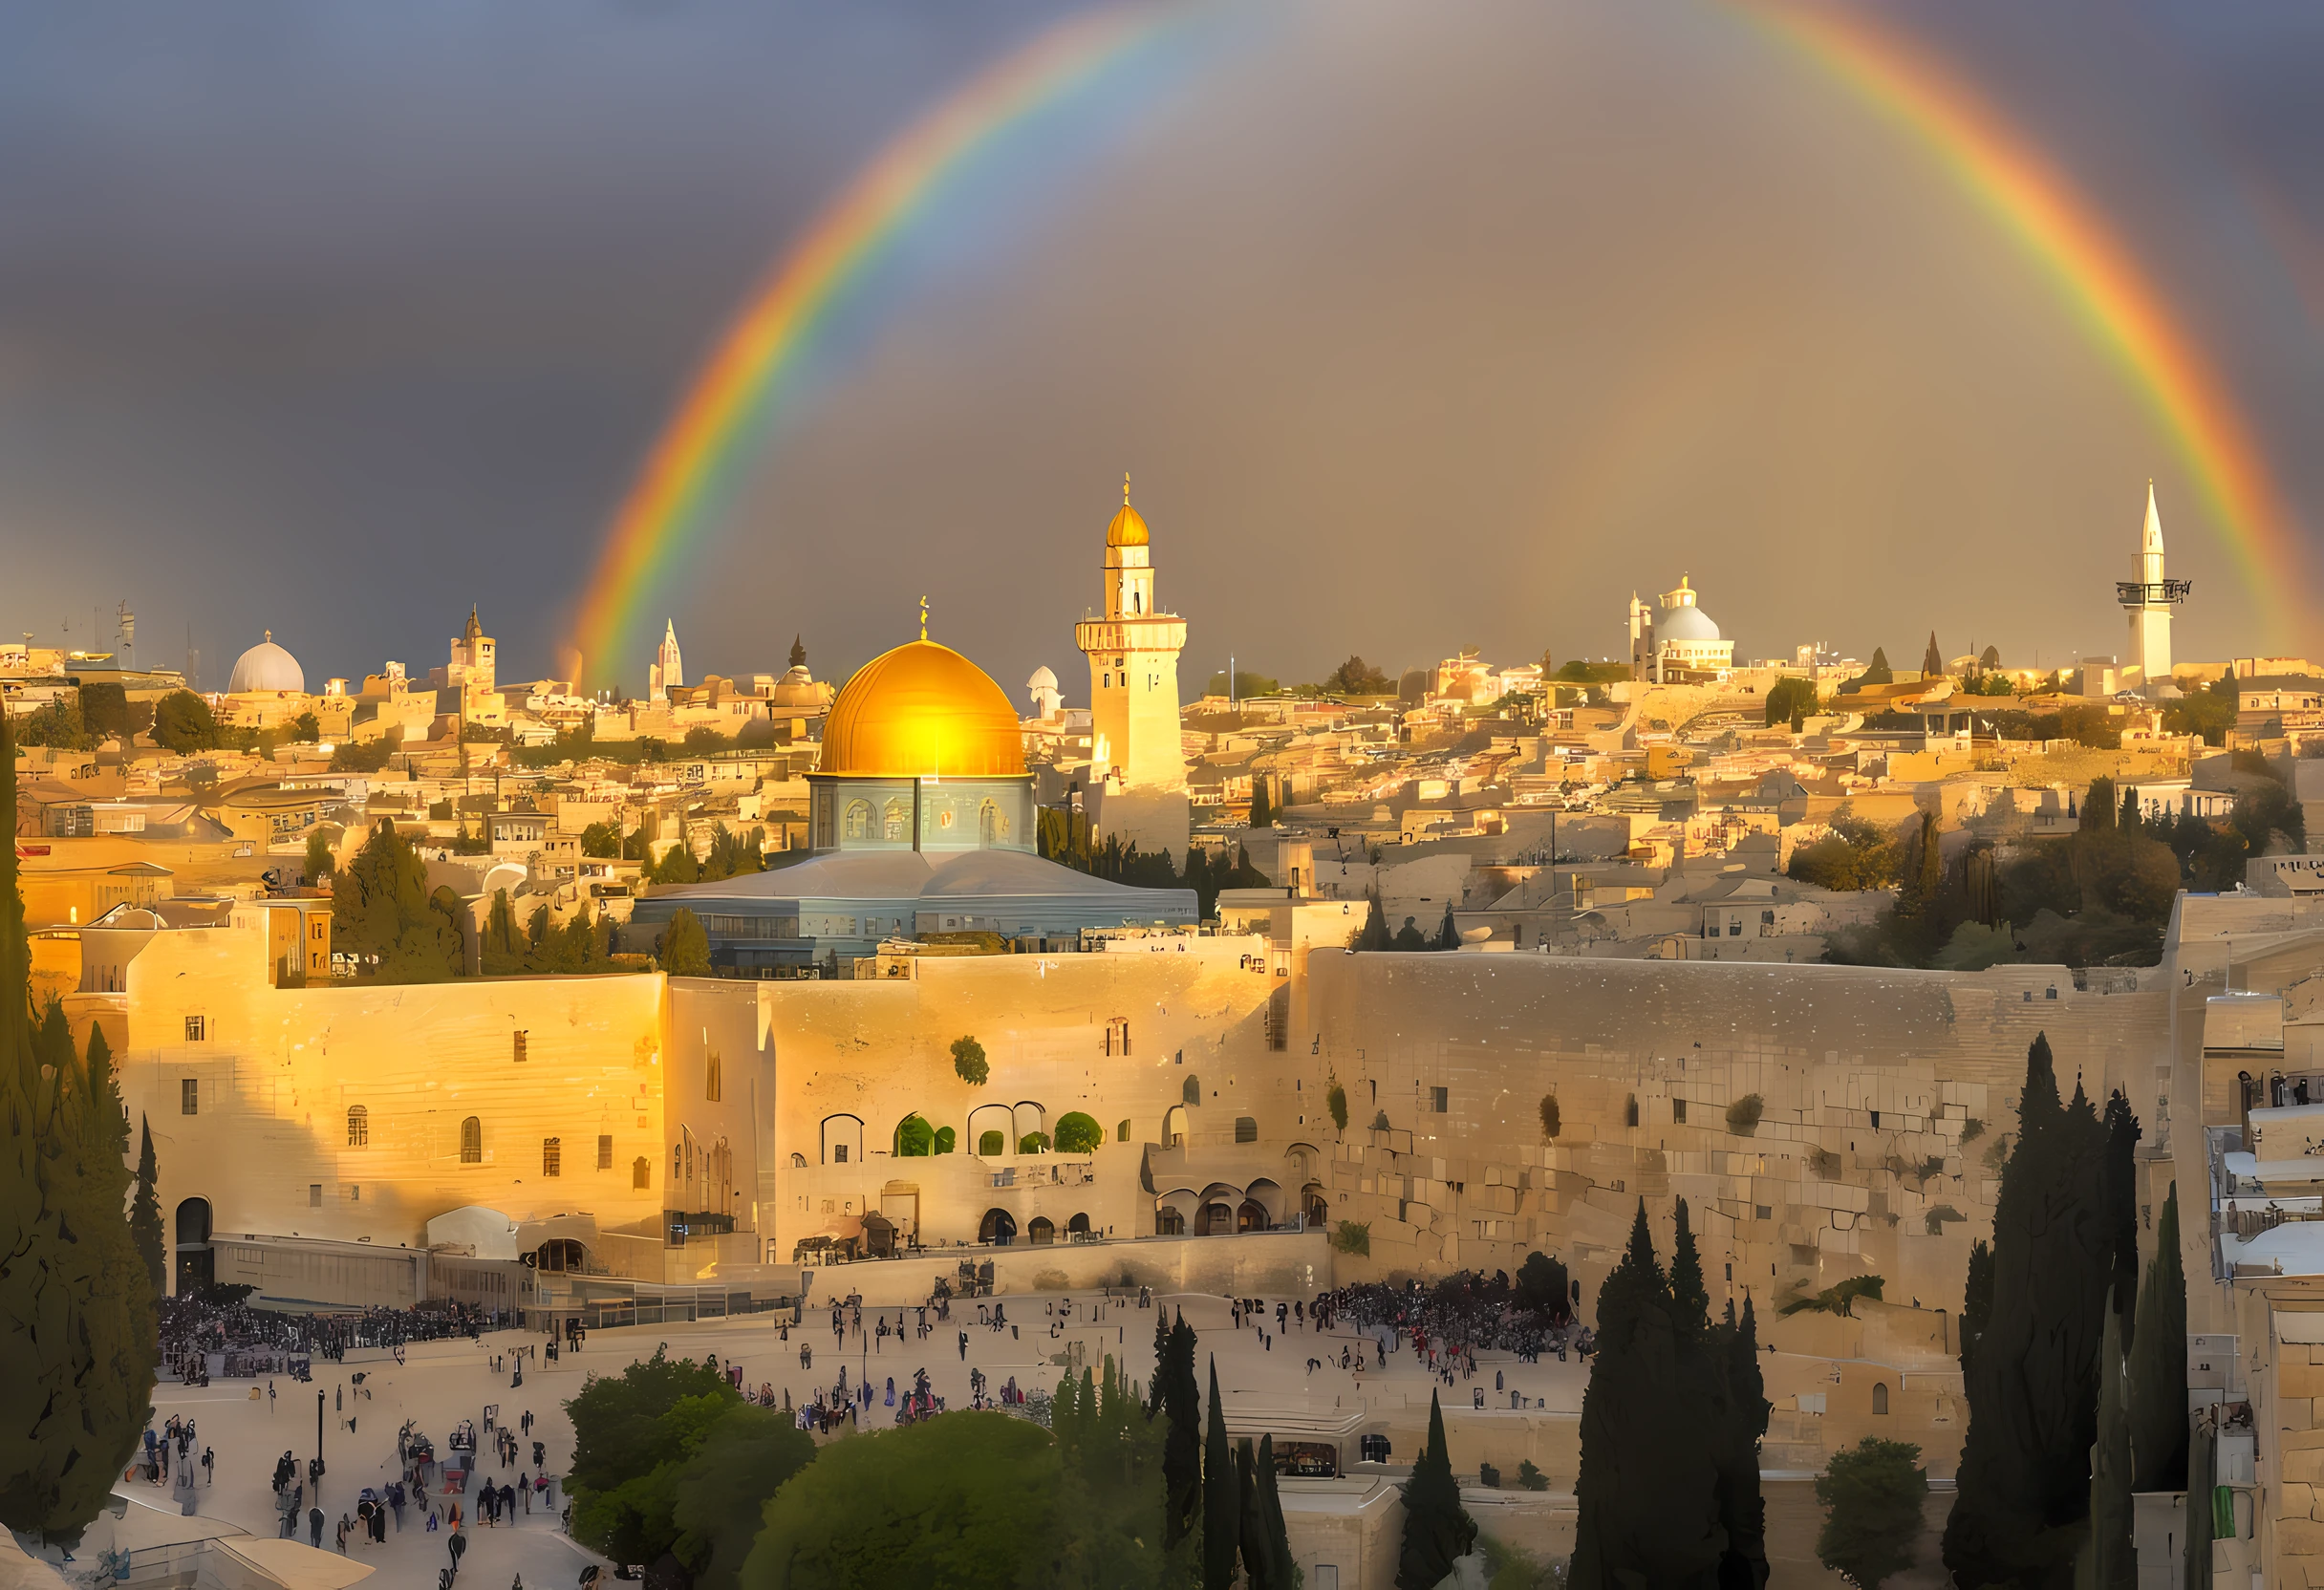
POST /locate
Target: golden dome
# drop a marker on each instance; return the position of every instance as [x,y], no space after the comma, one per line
[1127,529]
[922,710]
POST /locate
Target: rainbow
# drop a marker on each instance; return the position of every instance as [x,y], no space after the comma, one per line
[677,492]
[2116,304]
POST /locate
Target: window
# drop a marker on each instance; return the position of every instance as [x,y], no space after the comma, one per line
[641,1173]
[552,1156]
[472,1141]
[604,1153]
[197,1027]
[714,1083]
[314,1195]
[839,1153]
[1629,1114]
[1191,1092]
[896,821]
[1764,1212]
[1120,1133]
[358,1126]
[517,1048]
[859,819]
[1246,1129]
[189,1096]
[1440,1099]
[1678,1111]
[1879,1397]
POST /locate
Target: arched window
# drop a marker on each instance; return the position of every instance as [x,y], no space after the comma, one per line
[859,819]
[1880,1396]
[358,1126]
[1169,1222]
[1246,1129]
[999,1227]
[1630,1111]
[990,1144]
[471,1141]
[552,1156]
[898,823]
[1121,1132]
[1042,1232]
[1191,1092]
[642,1173]
[988,824]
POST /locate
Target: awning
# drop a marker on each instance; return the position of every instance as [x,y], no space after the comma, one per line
[474,1231]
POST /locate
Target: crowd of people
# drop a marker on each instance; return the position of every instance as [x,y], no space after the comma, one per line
[220,1319]
[1449,1323]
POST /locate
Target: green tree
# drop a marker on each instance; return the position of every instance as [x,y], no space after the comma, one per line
[1932,660]
[1690,1297]
[2158,1364]
[703,740]
[686,946]
[945,1138]
[2108,1559]
[306,729]
[1790,701]
[722,1490]
[1742,1507]
[2025,1468]
[601,840]
[77,1326]
[968,1501]
[1221,1497]
[1872,1495]
[2099,804]
[319,859]
[1335,1100]
[1078,1132]
[1177,1397]
[1880,673]
[678,864]
[57,726]
[2122,1206]
[145,1216]
[106,711]
[914,1137]
[1447,933]
[1437,1528]
[632,1434]
[968,1061]
[1553,1119]
[1976,1302]
[1544,1286]
[1357,678]
[1111,1498]
[2209,712]
[502,952]
[1282,1568]
[182,722]
[382,914]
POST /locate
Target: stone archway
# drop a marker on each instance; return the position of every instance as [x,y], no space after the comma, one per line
[1250,1216]
[1042,1232]
[195,1263]
[999,1227]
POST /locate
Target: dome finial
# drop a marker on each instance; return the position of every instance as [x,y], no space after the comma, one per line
[270,637]
[923,618]
[1125,488]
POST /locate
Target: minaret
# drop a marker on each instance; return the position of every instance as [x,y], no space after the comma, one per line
[2148,601]
[668,668]
[1641,639]
[1134,668]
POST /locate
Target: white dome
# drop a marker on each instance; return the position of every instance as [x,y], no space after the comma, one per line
[1687,623]
[265,667]
[1043,679]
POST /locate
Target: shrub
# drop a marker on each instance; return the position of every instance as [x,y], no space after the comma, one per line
[1552,1120]
[182,722]
[1873,1493]
[915,1138]
[1353,1236]
[946,1139]
[1033,1143]
[990,1144]
[1743,1116]
[1335,1099]
[1937,1217]
[968,1061]
[1078,1133]
[1530,1477]
[1824,1163]
[1972,1130]
[686,946]
[1488,1476]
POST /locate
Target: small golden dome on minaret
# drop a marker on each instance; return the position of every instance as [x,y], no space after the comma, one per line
[1127,529]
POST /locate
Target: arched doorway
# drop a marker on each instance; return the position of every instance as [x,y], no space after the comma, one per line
[1314,1207]
[1174,1127]
[1169,1222]
[1077,1226]
[1042,1232]
[999,1228]
[1251,1216]
[196,1265]
[1218,1220]
[560,1254]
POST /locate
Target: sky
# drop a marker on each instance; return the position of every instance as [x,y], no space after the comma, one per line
[1417,328]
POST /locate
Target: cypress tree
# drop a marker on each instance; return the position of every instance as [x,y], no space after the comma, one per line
[1447,935]
[1284,1567]
[1258,1565]
[1374,933]
[2024,1497]
[1976,1302]
[1182,1444]
[1648,1495]
[1262,814]
[1742,1508]
[1932,660]
[2108,1560]
[1690,1298]
[502,953]
[77,1331]
[1437,1528]
[2157,1365]
[2122,1209]
[1222,1498]
[145,1216]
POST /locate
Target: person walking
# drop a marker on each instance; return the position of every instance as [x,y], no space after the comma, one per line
[458,1546]
[210,1467]
[315,1527]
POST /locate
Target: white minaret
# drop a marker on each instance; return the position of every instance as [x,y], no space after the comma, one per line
[2148,601]
[669,667]
[1134,668]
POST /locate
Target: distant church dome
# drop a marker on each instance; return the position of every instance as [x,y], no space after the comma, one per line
[922,710]
[266,667]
